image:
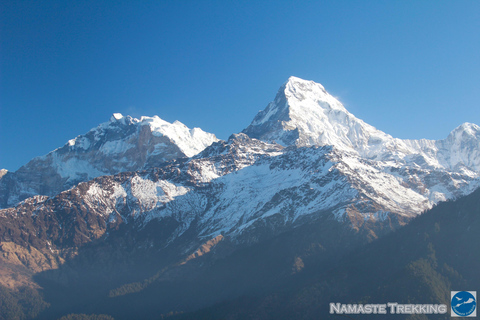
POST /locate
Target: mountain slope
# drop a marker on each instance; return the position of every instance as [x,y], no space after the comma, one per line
[244,189]
[305,114]
[420,263]
[122,144]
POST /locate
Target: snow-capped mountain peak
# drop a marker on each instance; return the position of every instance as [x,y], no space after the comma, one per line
[121,144]
[300,90]
[190,141]
[305,114]
[119,127]
[466,130]
[462,147]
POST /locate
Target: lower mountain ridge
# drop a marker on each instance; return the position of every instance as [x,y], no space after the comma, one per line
[421,263]
[293,275]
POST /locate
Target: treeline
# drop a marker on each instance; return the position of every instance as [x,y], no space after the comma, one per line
[134,286]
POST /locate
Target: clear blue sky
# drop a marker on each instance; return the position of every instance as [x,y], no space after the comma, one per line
[409,68]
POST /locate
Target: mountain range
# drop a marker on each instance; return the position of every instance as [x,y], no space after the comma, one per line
[141,208]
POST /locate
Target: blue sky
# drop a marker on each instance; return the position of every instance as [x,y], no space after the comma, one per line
[409,68]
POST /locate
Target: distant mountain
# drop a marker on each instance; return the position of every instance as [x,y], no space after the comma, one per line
[152,208]
[122,144]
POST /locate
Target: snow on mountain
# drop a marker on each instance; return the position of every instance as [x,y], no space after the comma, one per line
[121,144]
[167,191]
[304,160]
[304,114]
[324,163]
[461,149]
[246,189]
[189,141]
